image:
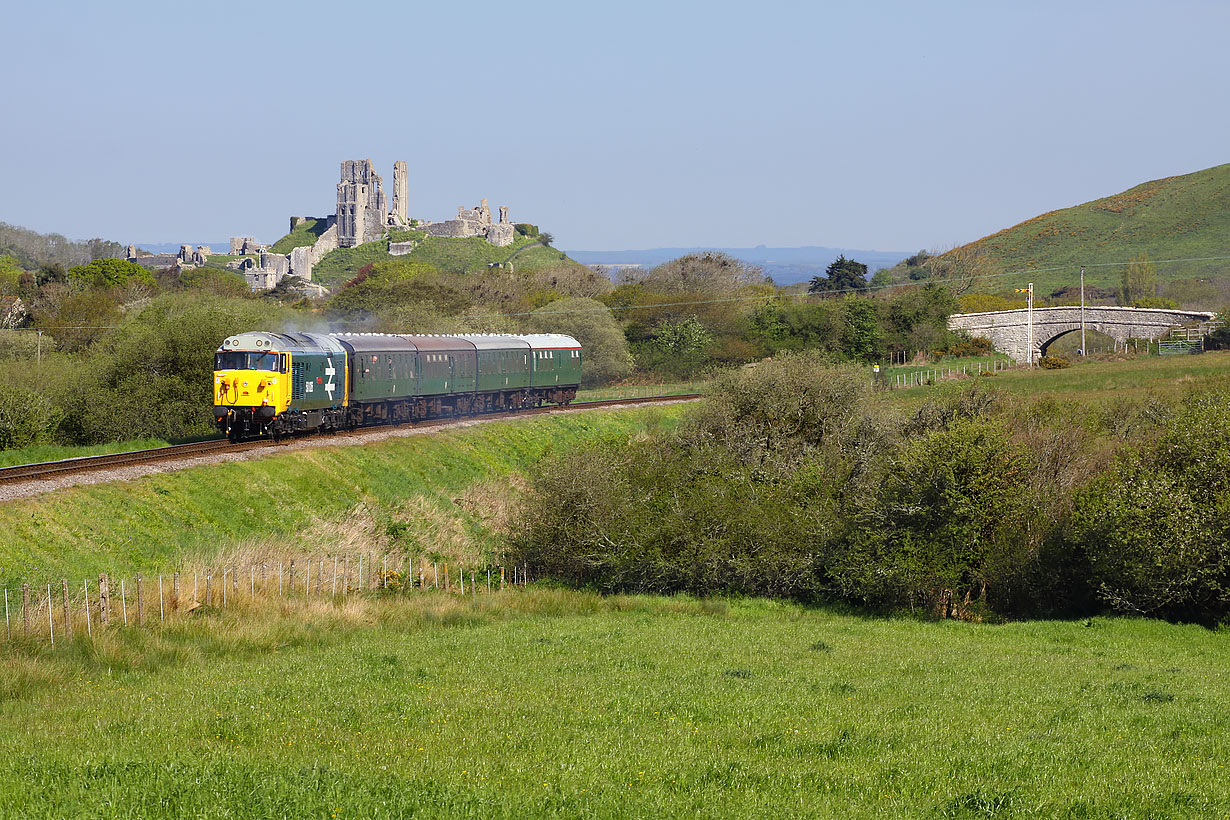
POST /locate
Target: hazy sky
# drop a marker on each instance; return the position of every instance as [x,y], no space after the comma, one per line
[874,125]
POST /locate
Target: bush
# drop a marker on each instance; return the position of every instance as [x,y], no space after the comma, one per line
[526,229]
[112,273]
[975,346]
[590,322]
[1053,363]
[1157,527]
[26,417]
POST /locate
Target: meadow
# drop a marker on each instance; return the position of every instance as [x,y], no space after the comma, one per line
[549,702]
[552,703]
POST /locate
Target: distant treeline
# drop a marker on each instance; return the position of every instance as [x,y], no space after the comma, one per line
[33,250]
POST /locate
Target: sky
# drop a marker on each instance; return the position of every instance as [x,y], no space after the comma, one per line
[872,125]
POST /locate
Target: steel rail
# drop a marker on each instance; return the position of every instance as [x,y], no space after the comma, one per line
[81,464]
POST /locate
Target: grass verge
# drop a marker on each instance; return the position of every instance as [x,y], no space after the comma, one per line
[548,703]
[432,492]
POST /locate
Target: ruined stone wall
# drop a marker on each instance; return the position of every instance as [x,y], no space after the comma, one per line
[301,263]
[501,235]
[325,243]
[401,248]
[455,228]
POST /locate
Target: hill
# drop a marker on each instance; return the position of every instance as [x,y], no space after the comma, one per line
[469,255]
[787,266]
[1177,218]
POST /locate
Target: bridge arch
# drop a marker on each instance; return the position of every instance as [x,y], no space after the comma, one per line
[1008,330]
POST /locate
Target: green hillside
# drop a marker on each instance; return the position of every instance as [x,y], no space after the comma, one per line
[1181,217]
[469,255]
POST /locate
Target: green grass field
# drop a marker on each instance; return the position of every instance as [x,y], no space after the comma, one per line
[560,704]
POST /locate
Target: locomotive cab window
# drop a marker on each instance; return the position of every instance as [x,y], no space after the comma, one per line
[235,360]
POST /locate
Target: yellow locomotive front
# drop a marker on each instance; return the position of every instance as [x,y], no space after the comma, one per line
[251,384]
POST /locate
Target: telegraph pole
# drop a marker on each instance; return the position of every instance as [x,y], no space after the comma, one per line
[1083,310]
[1031,324]
[1030,303]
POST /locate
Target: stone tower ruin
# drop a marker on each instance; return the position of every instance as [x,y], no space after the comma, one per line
[361,204]
[401,193]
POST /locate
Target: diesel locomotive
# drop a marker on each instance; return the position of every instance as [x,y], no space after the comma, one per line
[281,383]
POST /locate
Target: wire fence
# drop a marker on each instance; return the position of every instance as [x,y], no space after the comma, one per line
[60,611]
[916,378]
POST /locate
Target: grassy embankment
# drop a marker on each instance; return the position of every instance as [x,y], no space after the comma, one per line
[559,704]
[436,493]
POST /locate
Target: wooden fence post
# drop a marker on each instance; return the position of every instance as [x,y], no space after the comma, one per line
[334,591]
[265,577]
[104,599]
[140,602]
[89,628]
[175,591]
[346,575]
[68,626]
[162,609]
[51,623]
[25,609]
[209,577]
[291,586]
[124,601]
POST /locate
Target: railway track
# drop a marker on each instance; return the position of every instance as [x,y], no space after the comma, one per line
[69,466]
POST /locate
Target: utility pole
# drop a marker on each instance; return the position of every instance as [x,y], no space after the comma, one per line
[1029,301]
[1031,324]
[1082,310]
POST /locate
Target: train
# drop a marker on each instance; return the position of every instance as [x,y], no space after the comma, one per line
[278,384]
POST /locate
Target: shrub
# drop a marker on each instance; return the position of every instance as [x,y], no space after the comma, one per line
[26,418]
[112,272]
[1156,528]
[1053,363]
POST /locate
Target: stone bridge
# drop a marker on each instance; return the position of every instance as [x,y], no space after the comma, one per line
[1008,330]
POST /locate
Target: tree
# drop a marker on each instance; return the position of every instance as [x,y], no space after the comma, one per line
[961,269]
[604,346]
[709,273]
[546,238]
[111,272]
[843,275]
[1138,280]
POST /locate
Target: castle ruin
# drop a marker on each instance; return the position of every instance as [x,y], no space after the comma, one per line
[362,215]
